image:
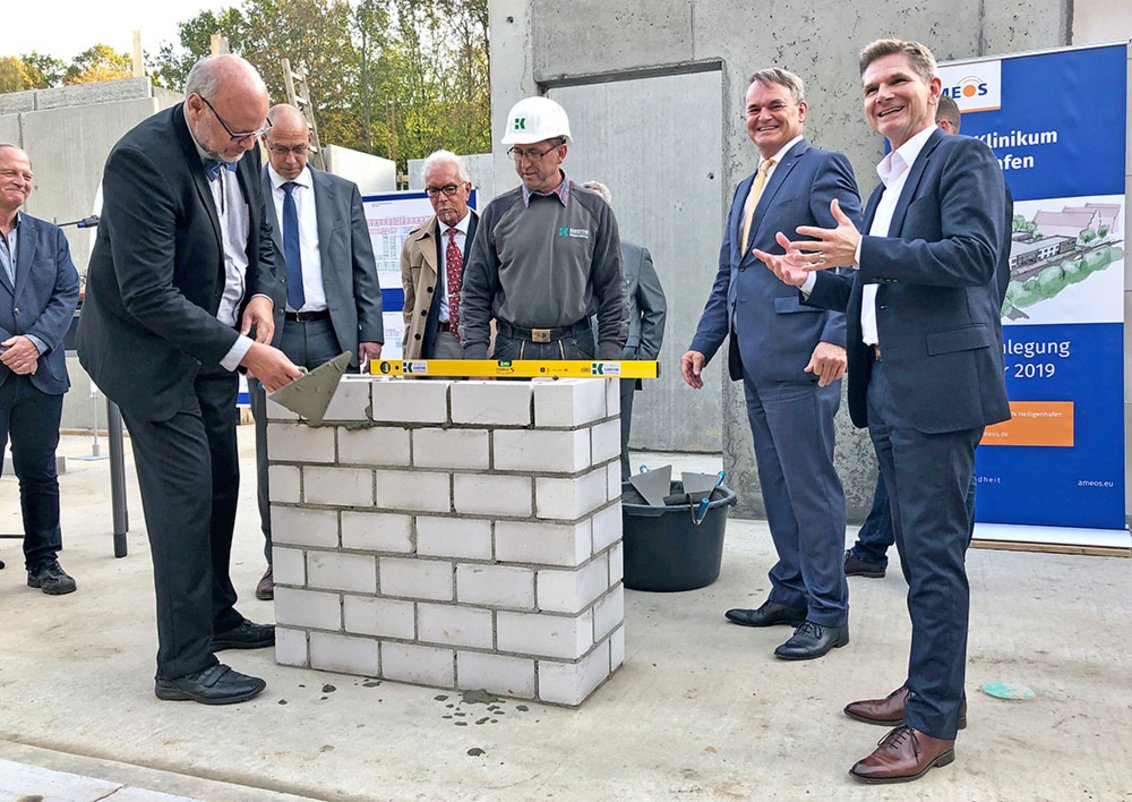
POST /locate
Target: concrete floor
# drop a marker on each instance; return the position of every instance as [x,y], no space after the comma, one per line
[700,711]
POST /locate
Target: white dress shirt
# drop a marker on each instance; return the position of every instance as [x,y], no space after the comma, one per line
[442,279]
[314,293]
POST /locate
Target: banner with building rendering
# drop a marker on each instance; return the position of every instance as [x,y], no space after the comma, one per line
[1057,123]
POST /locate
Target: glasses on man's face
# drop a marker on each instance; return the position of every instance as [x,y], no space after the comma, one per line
[448,189]
[283,150]
[236,137]
[518,154]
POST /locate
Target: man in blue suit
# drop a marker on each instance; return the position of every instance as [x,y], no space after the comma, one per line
[925,374]
[39,288]
[790,358]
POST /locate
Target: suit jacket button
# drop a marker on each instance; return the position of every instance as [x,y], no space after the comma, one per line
[16,310]
[424,313]
[416,336]
[429,289]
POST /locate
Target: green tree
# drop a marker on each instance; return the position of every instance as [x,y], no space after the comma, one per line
[1087,235]
[12,75]
[98,63]
[43,71]
[172,64]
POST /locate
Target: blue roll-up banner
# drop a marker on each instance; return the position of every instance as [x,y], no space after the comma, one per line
[1056,121]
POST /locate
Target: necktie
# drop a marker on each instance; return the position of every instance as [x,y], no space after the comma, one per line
[212,168]
[454,267]
[296,297]
[753,199]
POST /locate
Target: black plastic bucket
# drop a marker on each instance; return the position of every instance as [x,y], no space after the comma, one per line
[665,550]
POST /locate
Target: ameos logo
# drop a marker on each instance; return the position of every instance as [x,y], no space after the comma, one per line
[968,88]
[973,85]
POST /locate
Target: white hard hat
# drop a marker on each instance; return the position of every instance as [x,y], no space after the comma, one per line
[534,119]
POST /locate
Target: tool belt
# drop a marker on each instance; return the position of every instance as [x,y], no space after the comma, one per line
[542,335]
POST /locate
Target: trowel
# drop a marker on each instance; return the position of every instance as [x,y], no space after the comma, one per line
[310,395]
[653,485]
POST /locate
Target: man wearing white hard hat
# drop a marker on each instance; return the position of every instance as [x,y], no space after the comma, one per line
[546,255]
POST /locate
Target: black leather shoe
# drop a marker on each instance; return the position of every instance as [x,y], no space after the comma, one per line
[50,577]
[812,640]
[855,566]
[246,636]
[770,614]
[217,685]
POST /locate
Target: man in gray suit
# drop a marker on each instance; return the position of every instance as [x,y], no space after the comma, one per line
[647,311]
[327,297]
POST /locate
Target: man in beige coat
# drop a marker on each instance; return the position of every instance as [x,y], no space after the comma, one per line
[438,248]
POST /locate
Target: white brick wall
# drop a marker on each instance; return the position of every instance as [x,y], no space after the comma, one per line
[385,618]
[278,412]
[298,442]
[410,401]
[544,635]
[570,499]
[288,566]
[617,649]
[418,491]
[569,403]
[571,683]
[350,401]
[347,655]
[377,531]
[450,625]
[613,481]
[308,608]
[328,570]
[415,579]
[496,673]
[612,397]
[490,494]
[542,543]
[572,591]
[468,538]
[349,487]
[616,564]
[450,448]
[290,646]
[609,612]
[607,526]
[495,586]
[542,450]
[492,403]
[606,439]
[376,445]
[284,483]
[295,526]
[424,665]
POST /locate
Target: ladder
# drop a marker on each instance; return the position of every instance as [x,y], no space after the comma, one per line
[298,95]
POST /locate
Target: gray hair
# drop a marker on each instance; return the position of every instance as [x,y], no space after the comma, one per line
[202,78]
[775,75]
[438,157]
[921,58]
[600,189]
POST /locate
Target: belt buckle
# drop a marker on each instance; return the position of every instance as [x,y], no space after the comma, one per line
[540,335]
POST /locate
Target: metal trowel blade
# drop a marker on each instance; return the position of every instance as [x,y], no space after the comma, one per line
[310,395]
[699,485]
[654,485]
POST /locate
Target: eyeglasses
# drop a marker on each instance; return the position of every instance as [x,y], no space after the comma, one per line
[235,136]
[448,189]
[283,150]
[517,154]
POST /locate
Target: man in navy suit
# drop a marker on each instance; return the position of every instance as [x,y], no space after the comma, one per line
[925,374]
[790,358]
[39,288]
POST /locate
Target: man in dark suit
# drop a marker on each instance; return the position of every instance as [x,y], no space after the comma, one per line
[647,312]
[790,358]
[327,298]
[180,276]
[433,258]
[925,374]
[39,288]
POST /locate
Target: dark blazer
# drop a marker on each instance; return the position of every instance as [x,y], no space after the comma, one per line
[349,274]
[647,307]
[420,263]
[157,272]
[777,334]
[43,300]
[938,310]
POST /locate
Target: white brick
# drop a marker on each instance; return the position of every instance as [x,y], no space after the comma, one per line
[373,445]
[290,647]
[572,591]
[542,450]
[415,579]
[493,403]
[613,398]
[570,499]
[613,481]
[569,403]
[571,683]
[350,401]
[616,564]
[606,442]
[544,635]
[300,443]
[278,412]
[295,526]
[354,573]
[417,491]
[344,654]
[385,618]
[450,448]
[284,483]
[469,538]
[609,612]
[496,673]
[495,586]
[410,401]
[542,543]
[616,649]
[450,625]
[607,527]
[488,494]
[423,665]
[350,487]
[377,531]
[308,608]
[288,566]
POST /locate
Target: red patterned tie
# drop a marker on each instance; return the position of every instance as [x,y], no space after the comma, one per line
[454,266]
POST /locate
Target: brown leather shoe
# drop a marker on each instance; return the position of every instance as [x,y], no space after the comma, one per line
[265,590]
[889,711]
[905,754]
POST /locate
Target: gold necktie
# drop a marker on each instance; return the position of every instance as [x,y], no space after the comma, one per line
[753,199]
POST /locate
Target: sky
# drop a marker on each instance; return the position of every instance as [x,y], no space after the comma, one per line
[65,28]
